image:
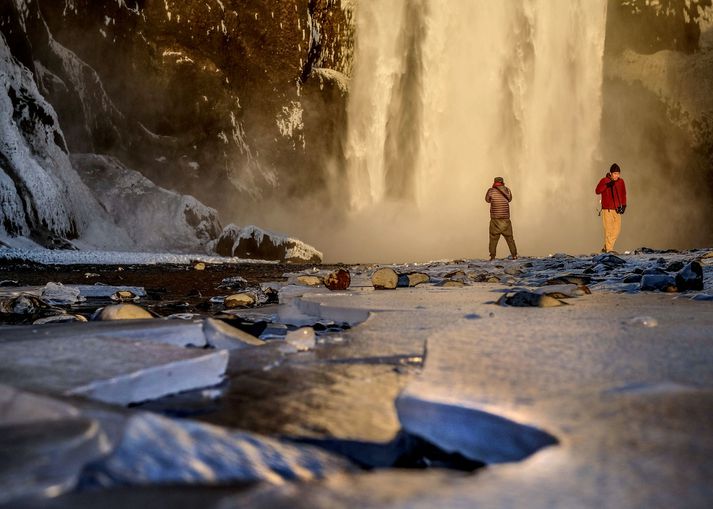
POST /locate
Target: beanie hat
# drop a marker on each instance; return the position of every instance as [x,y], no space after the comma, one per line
[499,179]
[614,168]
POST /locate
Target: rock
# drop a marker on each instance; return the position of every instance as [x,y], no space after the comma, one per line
[457,275]
[199,266]
[632,278]
[570,279]
[513,271]
[493,279]
[124,296]
[690,277]
[252,242]
[385,279]
[450,283]
[9,282]
[239,300]
[529,299]
[233,283]
[23,305]
[57,293]
[340,279]
[609,259]
[418,278]
[63,318]
[413,279]
[661,282]
[675,266]
[121,312]
[302,339]
[306,280]
[654,271]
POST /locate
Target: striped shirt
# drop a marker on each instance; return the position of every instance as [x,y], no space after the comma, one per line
[499,202]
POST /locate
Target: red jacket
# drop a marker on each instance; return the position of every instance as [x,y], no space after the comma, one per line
[613,196]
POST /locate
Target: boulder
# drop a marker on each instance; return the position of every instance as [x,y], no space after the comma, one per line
[339,279]
[121,312]
[690,277]
[252,242]
[660,282]
[385,278]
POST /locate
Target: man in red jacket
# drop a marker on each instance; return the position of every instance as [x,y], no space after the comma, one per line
[613,192]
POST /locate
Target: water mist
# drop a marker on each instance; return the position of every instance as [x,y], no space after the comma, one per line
[447,95]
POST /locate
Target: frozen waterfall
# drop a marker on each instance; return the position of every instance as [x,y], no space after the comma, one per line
[446,95]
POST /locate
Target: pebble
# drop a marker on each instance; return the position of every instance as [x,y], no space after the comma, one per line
[199,266]
[337,280]
[385,279]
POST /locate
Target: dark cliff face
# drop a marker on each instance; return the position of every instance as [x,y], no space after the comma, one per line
[658,116]
[219,99]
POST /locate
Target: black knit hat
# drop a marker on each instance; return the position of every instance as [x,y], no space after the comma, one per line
[614,168]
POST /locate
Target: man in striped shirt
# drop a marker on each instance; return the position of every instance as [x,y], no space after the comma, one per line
[499,198]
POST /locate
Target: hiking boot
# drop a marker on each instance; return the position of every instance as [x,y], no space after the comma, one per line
[492,257]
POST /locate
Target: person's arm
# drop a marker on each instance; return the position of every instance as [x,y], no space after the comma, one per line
[603,184]
[508,193]
[487,195]
[622,190]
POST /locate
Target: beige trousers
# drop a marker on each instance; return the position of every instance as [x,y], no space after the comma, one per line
[501,227]
[612,227]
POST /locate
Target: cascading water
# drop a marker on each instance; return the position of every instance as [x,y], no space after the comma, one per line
[446,95]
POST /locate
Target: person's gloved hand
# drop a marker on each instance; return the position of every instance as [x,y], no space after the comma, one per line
[610,183]
[623,209]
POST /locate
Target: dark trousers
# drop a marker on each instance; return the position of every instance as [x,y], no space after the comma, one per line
[501,227]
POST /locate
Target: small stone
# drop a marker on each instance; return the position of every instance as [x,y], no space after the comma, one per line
[121,312]
[199,266]
[302,339]
[305,280]
[690,277]
[492,279]
[513,271]
[239,300]
[385,279]
[661,282]
[337,280]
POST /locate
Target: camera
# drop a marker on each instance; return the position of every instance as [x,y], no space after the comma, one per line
[620,209]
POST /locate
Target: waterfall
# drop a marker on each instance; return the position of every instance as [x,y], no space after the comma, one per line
[447,94]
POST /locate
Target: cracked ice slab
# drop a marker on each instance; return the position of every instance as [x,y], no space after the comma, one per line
[108,369]
[199,333]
